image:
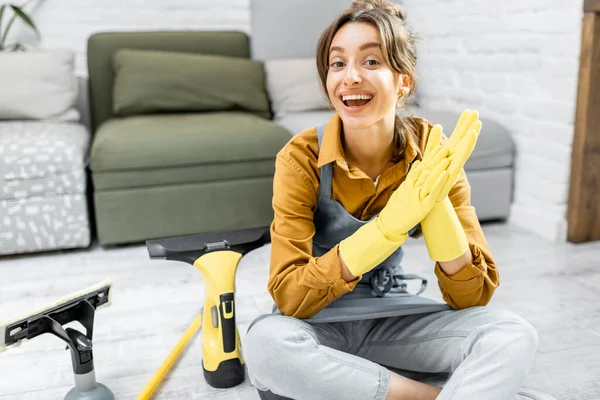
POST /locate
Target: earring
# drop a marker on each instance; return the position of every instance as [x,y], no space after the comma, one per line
[401,102]
[331,108]
[401,98]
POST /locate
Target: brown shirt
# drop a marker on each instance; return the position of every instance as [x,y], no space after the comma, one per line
[302,284]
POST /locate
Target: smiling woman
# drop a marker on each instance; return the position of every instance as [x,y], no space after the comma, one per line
[345,317]
[374,58]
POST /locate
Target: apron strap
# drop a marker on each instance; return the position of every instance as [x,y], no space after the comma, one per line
[326,176]
[407,277]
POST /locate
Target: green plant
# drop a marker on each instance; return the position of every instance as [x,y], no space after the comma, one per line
[18,13]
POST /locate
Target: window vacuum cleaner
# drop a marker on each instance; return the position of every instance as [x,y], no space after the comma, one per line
[216,256]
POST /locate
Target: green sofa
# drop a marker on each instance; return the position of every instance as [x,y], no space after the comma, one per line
[183,165]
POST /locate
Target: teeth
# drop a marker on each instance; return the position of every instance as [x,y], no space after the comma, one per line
[357,97]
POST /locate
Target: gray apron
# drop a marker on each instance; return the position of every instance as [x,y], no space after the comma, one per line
[382,292]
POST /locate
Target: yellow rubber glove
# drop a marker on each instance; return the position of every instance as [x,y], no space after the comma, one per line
[443,233]
[459,146]
[408,205]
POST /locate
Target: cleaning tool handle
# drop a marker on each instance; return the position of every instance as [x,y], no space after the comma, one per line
[228,327]
[170,360]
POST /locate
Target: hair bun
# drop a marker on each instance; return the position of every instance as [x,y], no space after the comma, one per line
[399,11]
[388,6]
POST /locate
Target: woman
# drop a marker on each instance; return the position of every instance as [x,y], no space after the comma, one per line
[346,196]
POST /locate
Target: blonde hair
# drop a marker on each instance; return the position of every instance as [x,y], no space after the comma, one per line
[398,46]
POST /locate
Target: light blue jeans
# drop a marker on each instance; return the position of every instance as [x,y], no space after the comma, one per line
[474,354]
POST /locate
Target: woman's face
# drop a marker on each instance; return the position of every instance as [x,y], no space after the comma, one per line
[361,86]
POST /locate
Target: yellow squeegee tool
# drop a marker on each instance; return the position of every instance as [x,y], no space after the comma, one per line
[80,306]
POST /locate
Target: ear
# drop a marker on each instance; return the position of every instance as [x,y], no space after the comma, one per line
[404,85]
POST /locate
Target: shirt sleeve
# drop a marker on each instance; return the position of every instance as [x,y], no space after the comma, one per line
[475,284]
[300,283]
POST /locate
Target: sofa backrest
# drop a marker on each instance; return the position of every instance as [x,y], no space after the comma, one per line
[290,28]
[102,47]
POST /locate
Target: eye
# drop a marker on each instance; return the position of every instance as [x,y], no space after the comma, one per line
[337,64]
[372,63]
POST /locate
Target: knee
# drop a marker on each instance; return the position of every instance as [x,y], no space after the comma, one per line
[512,334]
[267,344]
[526,337]
[521,332]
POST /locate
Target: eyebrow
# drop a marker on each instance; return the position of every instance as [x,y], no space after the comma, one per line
[361,48]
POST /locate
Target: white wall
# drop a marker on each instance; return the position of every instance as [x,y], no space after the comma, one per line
[68,23]
[515,61]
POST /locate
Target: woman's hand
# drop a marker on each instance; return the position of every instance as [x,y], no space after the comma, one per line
[458,148]
[442,230]
[429,181]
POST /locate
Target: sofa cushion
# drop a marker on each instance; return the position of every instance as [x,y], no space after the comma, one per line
[293,85]
[44,223]
[42,159]
[169,148]
[194,174]
[495,147]
[102,46]
[148,81]
[38,85]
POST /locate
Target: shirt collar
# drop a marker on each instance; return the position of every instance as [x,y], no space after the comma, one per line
[332,151]
[331,146]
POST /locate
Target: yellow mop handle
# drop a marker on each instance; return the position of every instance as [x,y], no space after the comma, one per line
[170,360]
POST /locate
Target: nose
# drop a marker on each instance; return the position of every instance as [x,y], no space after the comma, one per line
[352,76]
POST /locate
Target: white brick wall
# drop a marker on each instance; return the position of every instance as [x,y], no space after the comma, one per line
[515,61]
[69,23]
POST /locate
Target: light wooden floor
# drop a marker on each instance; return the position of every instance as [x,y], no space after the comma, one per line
[555,287]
